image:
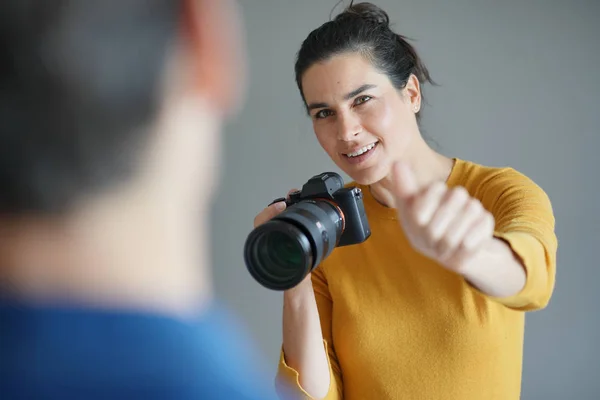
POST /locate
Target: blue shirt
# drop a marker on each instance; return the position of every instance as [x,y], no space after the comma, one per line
[71,353]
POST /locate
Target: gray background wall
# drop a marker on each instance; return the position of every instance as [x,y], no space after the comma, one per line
[519,87]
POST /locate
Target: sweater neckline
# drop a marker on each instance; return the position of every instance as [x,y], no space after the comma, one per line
[375,209]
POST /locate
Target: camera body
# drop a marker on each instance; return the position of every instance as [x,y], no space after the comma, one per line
[329,186]
[324,215]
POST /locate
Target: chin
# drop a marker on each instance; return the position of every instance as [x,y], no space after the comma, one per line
[368,176]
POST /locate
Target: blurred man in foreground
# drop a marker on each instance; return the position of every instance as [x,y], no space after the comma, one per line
[110,117]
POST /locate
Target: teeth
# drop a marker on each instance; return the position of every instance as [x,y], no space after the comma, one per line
[362,150]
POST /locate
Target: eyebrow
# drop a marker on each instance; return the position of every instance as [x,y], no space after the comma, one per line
[348,96]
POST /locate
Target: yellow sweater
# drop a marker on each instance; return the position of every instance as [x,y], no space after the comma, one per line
[398,326]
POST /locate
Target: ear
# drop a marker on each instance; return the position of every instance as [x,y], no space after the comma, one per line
[412,92]
[213,41]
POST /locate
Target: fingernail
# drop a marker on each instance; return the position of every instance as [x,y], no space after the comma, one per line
[280,206]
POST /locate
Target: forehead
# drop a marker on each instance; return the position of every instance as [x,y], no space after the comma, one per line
[331,79]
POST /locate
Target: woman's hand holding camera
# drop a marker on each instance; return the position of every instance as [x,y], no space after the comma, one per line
[302,338]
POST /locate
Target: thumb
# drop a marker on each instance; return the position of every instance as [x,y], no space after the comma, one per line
[404,182]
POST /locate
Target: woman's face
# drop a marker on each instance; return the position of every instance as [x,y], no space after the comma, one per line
[361,120]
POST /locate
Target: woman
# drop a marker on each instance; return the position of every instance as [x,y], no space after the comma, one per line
[432,305]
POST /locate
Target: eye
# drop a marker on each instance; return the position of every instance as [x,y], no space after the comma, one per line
[323,114]
[362,99]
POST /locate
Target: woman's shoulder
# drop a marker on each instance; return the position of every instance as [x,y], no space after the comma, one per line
[475,175]
[492,183]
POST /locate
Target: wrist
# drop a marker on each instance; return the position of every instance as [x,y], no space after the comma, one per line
[300,291]
[468,263]
[494,269]
[467,266]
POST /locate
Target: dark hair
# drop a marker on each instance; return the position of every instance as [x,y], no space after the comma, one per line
[78,86]
[363,28]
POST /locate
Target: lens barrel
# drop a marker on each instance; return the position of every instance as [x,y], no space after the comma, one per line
[281,252]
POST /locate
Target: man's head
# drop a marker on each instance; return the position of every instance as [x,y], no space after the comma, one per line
[111,113]
[92,92]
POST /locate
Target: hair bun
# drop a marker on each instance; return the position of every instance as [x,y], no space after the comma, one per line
[366,11]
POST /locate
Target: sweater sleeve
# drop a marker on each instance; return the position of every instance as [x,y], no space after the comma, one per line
[525,221]
[287,381]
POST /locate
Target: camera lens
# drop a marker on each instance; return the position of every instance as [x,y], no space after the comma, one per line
[281,252]
[278,254]
[277,248]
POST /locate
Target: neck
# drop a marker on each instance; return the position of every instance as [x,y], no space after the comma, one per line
[130,253]
[427,165]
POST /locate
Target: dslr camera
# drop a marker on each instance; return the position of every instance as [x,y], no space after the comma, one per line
[324,215]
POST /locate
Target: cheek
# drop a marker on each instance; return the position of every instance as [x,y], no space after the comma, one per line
[380,121]
[389,123]
[325,137]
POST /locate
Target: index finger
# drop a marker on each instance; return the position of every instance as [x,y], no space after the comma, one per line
[269,212]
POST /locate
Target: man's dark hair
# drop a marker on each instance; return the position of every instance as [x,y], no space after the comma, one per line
[79,84]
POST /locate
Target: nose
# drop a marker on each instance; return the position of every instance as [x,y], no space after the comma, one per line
[348,126]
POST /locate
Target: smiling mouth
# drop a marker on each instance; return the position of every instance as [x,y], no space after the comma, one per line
[362,150]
